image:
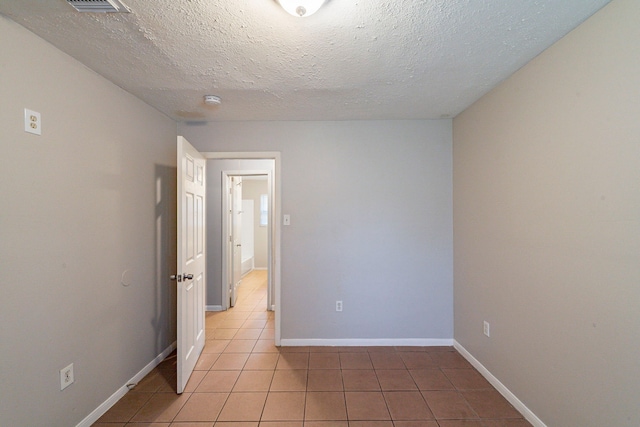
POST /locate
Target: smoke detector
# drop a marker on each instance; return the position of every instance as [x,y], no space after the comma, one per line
[212,100]
[100,6]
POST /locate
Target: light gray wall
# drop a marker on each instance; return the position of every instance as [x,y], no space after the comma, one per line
[371,223]
[78,208]
[215,167]
[252,189]
[547,226]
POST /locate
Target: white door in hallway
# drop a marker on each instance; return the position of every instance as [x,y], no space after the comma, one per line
[191,259]
[236,237]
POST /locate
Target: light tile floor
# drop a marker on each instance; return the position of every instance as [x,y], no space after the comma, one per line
[243,380]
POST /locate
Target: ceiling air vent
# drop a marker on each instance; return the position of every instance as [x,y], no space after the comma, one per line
[99,6]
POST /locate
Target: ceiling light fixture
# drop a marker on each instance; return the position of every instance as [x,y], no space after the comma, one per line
[301,8]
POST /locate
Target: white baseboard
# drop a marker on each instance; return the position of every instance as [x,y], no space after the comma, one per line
[107,404]
[502,389]
[213,308]
[366,342]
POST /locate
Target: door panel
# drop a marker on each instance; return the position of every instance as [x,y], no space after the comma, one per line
[236,236]
[191,259]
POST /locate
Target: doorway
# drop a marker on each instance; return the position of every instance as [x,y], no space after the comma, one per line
[246,230]
[244,164]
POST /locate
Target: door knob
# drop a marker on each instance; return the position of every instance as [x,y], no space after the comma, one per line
[238,245]
[188,276]
[176,277]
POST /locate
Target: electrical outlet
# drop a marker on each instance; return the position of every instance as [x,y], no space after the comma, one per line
[487,328]
[338,305]
[66,377]
[32,122]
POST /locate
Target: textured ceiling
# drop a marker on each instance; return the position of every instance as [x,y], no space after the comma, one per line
[354,59]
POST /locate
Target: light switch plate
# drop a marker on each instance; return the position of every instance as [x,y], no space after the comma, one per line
[32,122]
[286,220]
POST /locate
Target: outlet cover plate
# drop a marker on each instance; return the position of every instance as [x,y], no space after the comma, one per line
[32,122]
[66,377]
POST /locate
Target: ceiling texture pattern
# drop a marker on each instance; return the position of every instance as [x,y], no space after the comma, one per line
[352,60]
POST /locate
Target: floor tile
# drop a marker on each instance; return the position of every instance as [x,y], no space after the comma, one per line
[326,424]
[255,323]
[248,334]
[355,361]
[268,334]
[187,424]
[325,405]
[407,405]
[395,379]
[218,381]
[202,407]
[293,361]
[230,361]
[415,424]
[262,315]
[386,360]
[281,424]
[323,349]
[448,404]
[223,334]
[367,405]
[324,361]
[262,361]
[431,379]
[460,423]
[265,346]
[243,407]
[371,424]
[467,379]
[254,381]
[513,422]
[100,424]
[240,346]
[193,383]
[242,315]
[289,380]
[295,349]
[215,346]
[161,407]
[360,380]
[412,348]
[206,361]
[232,323]
[236,424]
[324,380]
[449,359]
[284,406]
[154,424]
[490,404]
[154,381]
[126,407]
[417,360]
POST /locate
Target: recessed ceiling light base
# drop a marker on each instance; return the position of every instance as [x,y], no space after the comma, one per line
[212,100]
[301,8]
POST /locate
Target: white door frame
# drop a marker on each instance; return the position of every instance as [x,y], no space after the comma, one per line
[274,231]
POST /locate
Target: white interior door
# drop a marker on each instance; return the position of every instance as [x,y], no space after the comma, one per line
[236,236]
[191,259]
